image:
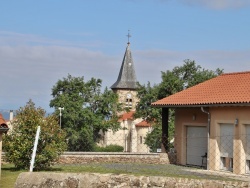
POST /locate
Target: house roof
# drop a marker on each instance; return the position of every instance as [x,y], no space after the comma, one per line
[126,78]
[226,89]
[143,124]
[3,123]
[127,116]
[130,116]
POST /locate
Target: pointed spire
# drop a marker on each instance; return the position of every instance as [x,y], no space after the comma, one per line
[126,78]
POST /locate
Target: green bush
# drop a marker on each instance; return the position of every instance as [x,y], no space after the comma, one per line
[19,143]
[109,148]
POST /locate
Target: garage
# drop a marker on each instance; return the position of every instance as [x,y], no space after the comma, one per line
[196,145]
[226,146]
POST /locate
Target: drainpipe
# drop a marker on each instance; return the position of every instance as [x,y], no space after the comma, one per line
[208,134]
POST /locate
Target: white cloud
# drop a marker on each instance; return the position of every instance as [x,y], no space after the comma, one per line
[149,64]
[30,71]
[13,38]
[218,4]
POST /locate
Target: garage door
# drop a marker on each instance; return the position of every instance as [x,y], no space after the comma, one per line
[226,146]
[226,140]
[196,144]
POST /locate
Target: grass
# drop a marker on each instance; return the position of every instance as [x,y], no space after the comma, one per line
[10,173]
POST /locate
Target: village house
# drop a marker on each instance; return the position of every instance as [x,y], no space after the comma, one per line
[212,123]
[133,130]
[3,129]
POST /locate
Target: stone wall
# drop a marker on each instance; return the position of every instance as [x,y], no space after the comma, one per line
[87,157]
[101,157]
[95,180]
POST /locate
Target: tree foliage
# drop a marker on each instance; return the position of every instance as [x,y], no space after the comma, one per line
[19,143]
[87,110]
[173,81]
[183,77]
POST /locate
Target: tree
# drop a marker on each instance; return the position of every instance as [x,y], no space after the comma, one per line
[147,94]
[176,80]
[183,77]
[86,110]
[19,143]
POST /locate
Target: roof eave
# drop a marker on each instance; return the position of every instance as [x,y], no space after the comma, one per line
[200,105]
[3,130]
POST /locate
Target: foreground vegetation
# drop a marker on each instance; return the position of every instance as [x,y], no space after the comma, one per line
[20,142]
[10,173]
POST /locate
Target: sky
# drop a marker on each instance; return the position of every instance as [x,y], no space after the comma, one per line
[44,41]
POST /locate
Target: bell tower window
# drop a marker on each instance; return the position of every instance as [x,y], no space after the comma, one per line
[129,101]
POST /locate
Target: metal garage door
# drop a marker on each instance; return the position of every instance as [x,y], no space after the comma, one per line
[226,146]
[196,144]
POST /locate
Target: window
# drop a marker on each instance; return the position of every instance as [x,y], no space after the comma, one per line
[140,139]
[248,166]
[129,103]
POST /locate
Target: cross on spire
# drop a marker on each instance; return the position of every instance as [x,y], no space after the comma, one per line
[128,35]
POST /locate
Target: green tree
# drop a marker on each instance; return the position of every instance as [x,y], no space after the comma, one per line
[185,76]
[173,81]
[19,143]
[87,110]
[148,94]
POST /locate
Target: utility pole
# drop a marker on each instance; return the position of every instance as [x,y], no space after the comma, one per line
[60,109]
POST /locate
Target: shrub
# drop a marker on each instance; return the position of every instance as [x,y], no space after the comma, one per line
[19,143]
[109,148]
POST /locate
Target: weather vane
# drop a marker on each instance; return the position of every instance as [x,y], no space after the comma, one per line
[128,35]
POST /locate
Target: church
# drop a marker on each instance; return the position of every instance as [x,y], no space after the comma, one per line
[132,133]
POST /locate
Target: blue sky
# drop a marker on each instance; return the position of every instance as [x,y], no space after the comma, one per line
[44,41]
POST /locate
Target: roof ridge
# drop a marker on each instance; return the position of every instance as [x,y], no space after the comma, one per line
[232,73]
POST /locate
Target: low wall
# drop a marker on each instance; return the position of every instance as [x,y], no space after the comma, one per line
[88,157]
[95,180]
[115,157]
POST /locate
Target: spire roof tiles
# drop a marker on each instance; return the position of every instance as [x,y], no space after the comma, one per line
[126,78]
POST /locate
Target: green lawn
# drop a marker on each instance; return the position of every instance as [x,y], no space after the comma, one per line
[10,173]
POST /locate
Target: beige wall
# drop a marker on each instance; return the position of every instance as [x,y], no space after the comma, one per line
[128,136]
[141,135]
[219,115]
[186,117]
[228,115]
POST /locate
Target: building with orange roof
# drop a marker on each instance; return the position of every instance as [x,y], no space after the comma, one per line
[133,132]
[3,129]
[212,123]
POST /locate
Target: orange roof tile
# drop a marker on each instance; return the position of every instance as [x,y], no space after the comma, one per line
[127,116]
[2,122]
[143,124]
[226,89]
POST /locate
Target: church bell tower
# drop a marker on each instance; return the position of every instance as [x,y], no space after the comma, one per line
[126,83]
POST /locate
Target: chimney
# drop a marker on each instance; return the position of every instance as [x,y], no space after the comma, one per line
[11,115]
